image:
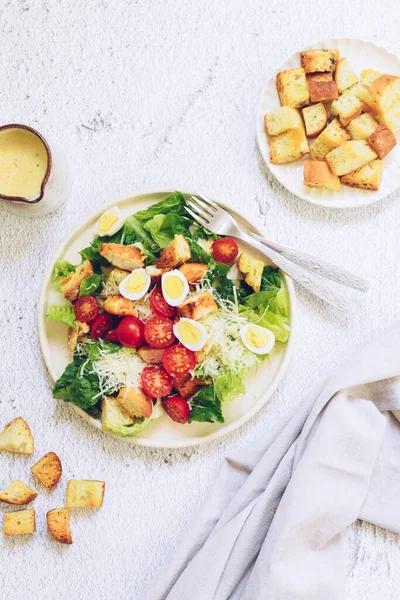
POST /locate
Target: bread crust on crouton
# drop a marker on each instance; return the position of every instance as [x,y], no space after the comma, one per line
[70,285]
[317,174]
[188,386]
[197,306]
[135,404]
[383,92]
[127,258]
[327,76]
[315,119]
[344,75]
[17,437]
[322,91]
[362,126]
[252,269]
[175,253]
[288,146]
[58,525]
[367,177]
[48,470]
[281,120]
[382,140]
[350,156]
[319,60]
[75,335]
[118,305]
[17,493]
[194,272]
[292,88]
[21,522]
[331,137]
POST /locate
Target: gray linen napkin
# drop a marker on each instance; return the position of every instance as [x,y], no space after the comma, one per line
[272,526]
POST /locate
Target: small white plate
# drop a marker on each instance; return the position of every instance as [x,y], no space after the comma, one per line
[361,55]
[163,432]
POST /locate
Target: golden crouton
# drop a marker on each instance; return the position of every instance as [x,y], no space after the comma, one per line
[344,75]
[367,177]
[327,76]
[347,107]
[135,404]
[70,285]
[194,272]
[382,140]
[123,257]
[75,335]
[58,525]
[317,174]
[315,118]
[362,126]
[288,146]
[175,253]
[118,305]
[17,493]
[151,356]
[155,273]
[85,493]
[391,117]
[332,137]
[112,281]
[201,354]
[383,92]
[20,522]
[48,470]
[292,88]
[197,306]
[368,76]
[188,387]
[322,91]
[281,120]
[17,437]
[252,269]
[350,156]
[319,60]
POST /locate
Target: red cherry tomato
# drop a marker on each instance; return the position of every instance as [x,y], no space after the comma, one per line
[178,361]
[100,326]
[225,250]
[130,332]
[86,309]
[159,305]
[156,382]
[158,332]
[177,408]
[112,336]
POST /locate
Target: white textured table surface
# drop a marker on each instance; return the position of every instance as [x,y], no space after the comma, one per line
[155,95]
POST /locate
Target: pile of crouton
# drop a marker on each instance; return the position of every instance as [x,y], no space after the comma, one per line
[353,121]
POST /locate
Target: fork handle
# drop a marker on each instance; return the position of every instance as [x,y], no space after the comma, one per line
[316,265]
[309,281]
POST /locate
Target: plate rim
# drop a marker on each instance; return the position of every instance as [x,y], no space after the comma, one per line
[331,204]
[190,441]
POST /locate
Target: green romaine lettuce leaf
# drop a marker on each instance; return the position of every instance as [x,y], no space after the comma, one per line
[278,324]
[90,284]
[78,384]
[100,348]
[63,313]
[271,279]
[229,385]
[117,421]
[280,305]
[62,268]
[199,255]
[174,203]
[133,231]
[206,407]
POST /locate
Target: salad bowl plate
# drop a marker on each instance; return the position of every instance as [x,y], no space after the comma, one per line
[162,432]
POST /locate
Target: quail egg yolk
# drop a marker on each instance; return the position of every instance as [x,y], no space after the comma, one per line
[136,282]
[173,286]
[257,338]
[107,221]
[189,333]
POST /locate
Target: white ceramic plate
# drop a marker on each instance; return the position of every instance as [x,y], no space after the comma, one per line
[163,432]
[361,55]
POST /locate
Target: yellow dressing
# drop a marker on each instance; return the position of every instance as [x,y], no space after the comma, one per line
[173,286]
[23,163]
[107,221]
[189,333]
[257,337]
[136,282]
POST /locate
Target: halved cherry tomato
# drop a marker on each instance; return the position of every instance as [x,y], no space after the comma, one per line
[101,325]
[112,336]
[178,361]
[158,332]
[156,382]
[177,408]
[159,305]
[86,309]
[130,332]
[225,250]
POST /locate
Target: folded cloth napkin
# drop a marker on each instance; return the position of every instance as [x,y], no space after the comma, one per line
[273,524]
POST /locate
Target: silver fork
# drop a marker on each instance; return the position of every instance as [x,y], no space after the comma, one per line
[307,270]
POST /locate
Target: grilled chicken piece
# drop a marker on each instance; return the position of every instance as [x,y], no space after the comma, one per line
[151,356]
[123,257]
[194,272]
[188,387]
[118,305]
[75,335]
[135,404]
[198,306]
[70,285]
[176,253]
